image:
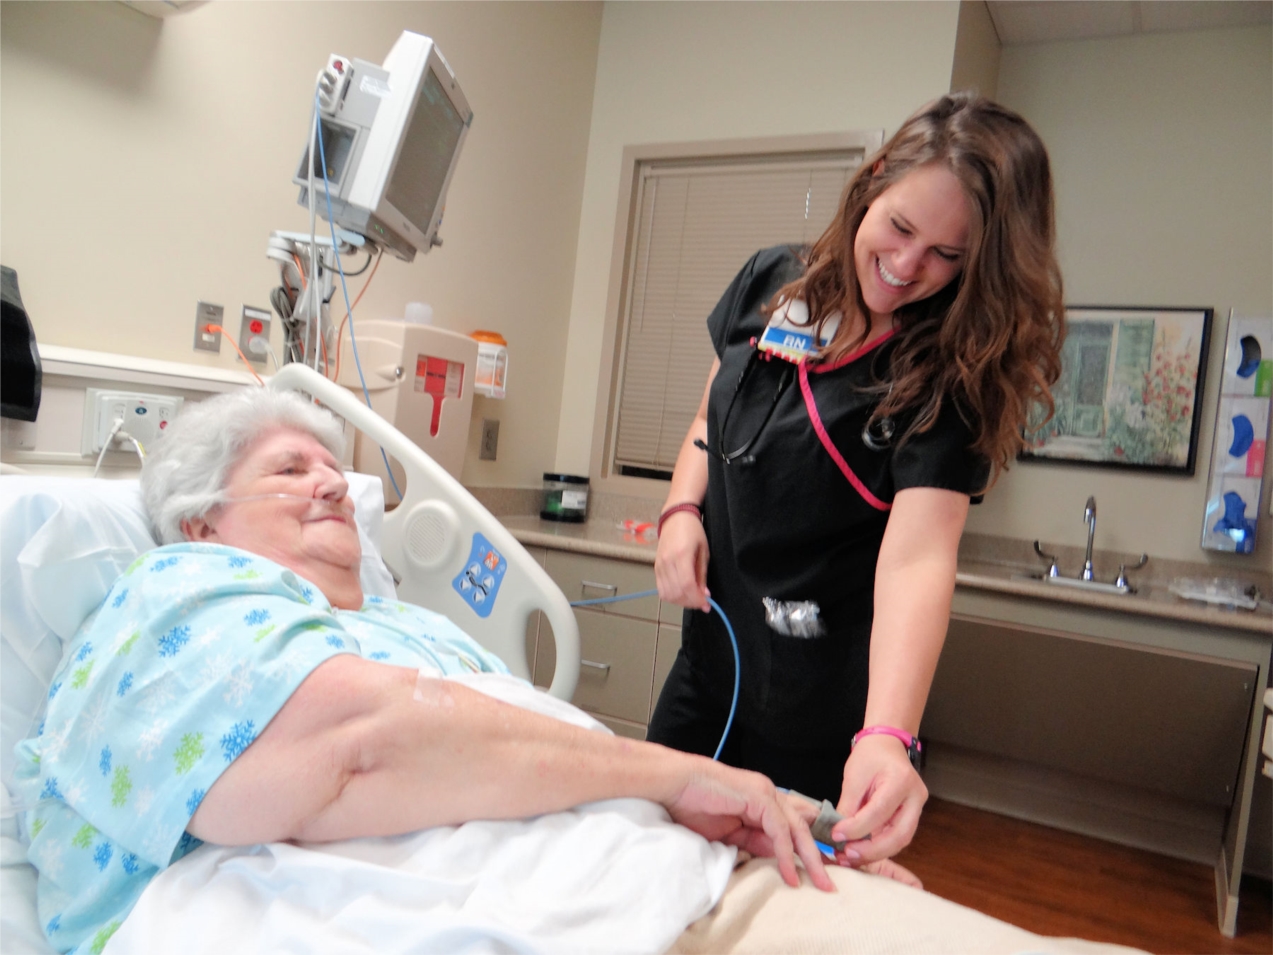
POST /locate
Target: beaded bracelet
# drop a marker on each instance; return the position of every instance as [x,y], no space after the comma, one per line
[675,508]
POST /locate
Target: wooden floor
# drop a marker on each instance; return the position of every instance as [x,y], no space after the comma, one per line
[1058,883]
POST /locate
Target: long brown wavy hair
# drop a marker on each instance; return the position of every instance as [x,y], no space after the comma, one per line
[990,340]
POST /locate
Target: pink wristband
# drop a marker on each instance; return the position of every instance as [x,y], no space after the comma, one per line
[907,739]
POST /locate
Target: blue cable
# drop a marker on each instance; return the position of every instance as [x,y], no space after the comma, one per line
[733,640]
[349,311]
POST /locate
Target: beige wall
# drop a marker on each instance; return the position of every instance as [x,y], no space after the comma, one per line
[145,164]
[672,72]
[1161,148]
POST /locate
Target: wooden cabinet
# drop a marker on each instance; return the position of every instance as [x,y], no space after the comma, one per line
[626,648]
[1138,728]
[1167,722]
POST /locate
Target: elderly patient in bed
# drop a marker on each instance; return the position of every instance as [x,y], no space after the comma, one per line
[236,688]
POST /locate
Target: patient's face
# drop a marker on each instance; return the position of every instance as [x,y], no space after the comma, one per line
[312,533]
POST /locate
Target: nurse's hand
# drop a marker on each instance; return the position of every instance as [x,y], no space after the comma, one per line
[680,564]
[882,797]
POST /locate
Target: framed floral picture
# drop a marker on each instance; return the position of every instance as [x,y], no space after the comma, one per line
[1130,390]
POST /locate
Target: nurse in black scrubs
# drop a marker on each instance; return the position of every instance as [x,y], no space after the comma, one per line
[865,391]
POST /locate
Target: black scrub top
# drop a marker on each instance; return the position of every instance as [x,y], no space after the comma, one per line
[797,524]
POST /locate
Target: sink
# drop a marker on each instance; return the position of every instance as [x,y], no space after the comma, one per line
[1075,583]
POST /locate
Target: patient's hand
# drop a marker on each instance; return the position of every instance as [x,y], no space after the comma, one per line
[743,809]
[891,870]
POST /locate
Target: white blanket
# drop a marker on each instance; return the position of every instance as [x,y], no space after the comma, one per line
[615,876]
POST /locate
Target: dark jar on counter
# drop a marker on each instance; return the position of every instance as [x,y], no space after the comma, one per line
[565,498]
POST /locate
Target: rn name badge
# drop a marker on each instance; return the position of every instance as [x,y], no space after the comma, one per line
[789,336]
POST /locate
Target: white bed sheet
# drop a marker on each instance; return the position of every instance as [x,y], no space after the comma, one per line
[616,876]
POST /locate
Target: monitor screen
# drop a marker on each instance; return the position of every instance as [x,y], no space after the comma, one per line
[418,177]
[391,139]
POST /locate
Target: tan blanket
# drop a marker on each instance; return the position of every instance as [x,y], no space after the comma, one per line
[869,915]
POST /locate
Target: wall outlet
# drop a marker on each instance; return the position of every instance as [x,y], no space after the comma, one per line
[206,314]
[254,324]
[143,416]
[490,439]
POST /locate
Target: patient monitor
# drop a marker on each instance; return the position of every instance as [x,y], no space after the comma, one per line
[390,141]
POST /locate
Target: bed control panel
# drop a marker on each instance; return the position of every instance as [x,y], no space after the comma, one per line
[478,583]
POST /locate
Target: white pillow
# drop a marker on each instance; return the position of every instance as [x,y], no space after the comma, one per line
[63,542]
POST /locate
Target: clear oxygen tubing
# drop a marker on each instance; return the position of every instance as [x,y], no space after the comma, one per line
[733,642]
[226,499]
[344,288]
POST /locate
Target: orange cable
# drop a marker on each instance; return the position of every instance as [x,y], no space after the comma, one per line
[218,328]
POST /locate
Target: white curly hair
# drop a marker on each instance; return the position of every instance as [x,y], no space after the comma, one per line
[185,472]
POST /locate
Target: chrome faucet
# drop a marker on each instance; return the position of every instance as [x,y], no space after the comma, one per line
[1089,518]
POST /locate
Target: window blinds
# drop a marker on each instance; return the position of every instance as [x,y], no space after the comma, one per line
[697,224]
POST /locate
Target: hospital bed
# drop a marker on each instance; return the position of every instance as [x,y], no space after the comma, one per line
[63,541]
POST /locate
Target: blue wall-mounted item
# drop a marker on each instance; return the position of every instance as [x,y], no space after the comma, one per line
[1232,514]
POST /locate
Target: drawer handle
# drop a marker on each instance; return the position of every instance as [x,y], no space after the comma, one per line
[609,588]
[603,667]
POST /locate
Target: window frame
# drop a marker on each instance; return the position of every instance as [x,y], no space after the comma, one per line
[603,473]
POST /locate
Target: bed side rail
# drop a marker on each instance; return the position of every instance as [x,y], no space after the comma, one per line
[451,554]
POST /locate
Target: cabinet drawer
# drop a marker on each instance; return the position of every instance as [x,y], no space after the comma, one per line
[618,668]
[669,644]
[671,613]
[582,577]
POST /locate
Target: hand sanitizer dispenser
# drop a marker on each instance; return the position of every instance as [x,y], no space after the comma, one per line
[420,378]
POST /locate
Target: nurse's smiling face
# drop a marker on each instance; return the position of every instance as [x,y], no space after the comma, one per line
[912,241]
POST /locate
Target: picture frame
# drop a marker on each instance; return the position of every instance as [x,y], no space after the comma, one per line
[1130,392]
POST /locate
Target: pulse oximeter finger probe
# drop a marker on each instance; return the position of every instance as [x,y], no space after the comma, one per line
[821,827]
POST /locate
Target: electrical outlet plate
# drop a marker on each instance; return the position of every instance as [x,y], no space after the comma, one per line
[490,439]
[254,324]
[206,314]
[144,416]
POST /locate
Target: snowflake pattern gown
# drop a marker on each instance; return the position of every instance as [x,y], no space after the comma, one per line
[193,652]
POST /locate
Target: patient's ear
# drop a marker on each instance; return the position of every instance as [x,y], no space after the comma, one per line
[198,530]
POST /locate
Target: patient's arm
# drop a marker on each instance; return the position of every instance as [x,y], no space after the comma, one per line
[353,753]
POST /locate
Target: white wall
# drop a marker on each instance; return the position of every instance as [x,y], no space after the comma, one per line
[670,72]
[1162,147]
[144,164]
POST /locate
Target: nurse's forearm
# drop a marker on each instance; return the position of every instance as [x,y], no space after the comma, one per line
[914,584]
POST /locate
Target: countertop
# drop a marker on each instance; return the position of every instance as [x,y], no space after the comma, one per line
[982,566]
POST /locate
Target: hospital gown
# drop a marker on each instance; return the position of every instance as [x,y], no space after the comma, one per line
[193,652]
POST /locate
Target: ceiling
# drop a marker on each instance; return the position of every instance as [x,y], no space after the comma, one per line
[1039,21]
